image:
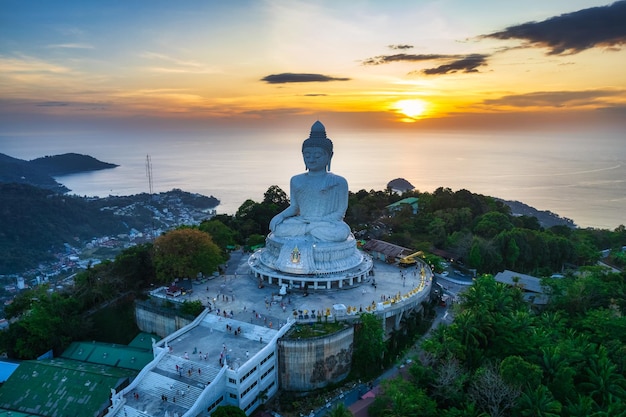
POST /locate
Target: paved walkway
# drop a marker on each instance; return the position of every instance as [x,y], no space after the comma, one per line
[237,293]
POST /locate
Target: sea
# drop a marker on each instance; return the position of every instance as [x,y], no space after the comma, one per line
[580,175]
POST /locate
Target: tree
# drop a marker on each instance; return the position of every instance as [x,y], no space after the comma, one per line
[276,196]
[222,235]
[255,240]
[512,253]
[193,308]
[228,411]
[558,374]
[604,384]
[369,345]
[491,393]
[437,231]
[401,398]
[538,402]
[475,259]
[518,372]
[134,266]
[182,253]
[583,407]
[339,410]
[490,224]
[53,321]
[449,382]
[472,329]
[245,208]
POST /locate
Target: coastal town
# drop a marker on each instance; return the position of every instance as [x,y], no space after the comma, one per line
[157,212]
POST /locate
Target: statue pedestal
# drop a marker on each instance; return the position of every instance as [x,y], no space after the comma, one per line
[303,262]
[303,255]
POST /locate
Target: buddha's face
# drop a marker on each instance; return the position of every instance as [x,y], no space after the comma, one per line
[316,159]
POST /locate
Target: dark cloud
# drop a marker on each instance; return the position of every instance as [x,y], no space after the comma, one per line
[455,63]
[469,63]
[571,33]
[289,77]
[386,59]
[53,104]
[315,95]
[76,105]
[400,46]
[556,98]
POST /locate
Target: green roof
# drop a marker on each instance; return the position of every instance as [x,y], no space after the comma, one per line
[412,201]
[7,413]
[119,356]
[144,340]
[408,200]
[76,384]
[61,387]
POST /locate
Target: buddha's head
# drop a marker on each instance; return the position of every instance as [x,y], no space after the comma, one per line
[317,150]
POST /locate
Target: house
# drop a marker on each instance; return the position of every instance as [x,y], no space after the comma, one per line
[385,251]
[405,202]
[534,292]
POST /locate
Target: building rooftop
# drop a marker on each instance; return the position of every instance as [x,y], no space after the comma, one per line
[76,384]
[61,387]
[194,360]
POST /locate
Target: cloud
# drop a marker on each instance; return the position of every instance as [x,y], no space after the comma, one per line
[53,104]
[467,64]
[315,95]
[289,77]
[571,33]
[400,46]
[71,46]
[25,64]
[386,59]
[557,98]
[454,63]
[180,66]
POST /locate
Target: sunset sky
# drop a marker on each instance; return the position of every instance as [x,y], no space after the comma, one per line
[441,64]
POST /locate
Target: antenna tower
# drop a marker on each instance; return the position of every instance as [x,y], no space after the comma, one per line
[149,173]
[150,187]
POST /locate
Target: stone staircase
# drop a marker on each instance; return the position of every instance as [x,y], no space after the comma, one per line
[167,367]
[157,385]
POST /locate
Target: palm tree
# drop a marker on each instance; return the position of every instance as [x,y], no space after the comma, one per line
[605,384]
[538,403]
[584,407]
[339,410]
[473,331]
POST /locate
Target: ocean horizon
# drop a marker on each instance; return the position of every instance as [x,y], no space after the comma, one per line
[578,176]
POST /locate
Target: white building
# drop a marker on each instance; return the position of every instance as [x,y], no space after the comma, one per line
[211,362]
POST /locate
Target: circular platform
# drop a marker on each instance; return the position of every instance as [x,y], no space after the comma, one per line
[302,263]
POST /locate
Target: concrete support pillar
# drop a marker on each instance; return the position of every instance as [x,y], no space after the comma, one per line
[398,318]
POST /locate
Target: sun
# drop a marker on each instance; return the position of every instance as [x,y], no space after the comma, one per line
[413,108]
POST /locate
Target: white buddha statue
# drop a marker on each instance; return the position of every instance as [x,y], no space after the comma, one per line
[319,198]
[310,237]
